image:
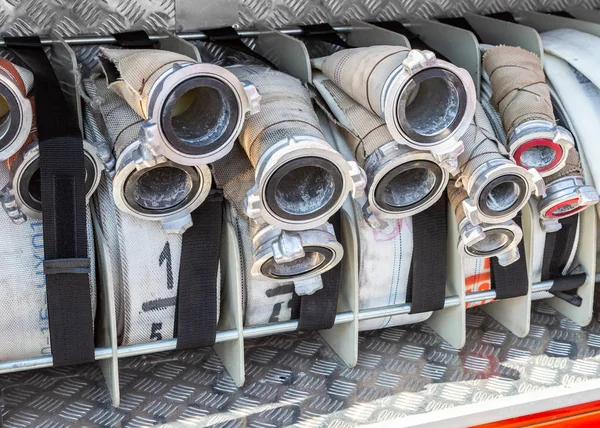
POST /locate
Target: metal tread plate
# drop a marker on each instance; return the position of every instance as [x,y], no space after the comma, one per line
[297,379]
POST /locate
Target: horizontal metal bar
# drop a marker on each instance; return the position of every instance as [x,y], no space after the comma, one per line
[197,35]
[42,362]
[258,331]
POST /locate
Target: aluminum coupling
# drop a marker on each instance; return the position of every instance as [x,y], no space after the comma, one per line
[21,198]
[193,112]
[298,257]
[498,189]
[401,183]
[16,111]
[541,145]
[165,191]
[565,196]
[300,182]
[490,240]
[426,103]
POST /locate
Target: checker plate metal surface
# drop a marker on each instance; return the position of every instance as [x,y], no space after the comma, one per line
[297,379]
[73,17]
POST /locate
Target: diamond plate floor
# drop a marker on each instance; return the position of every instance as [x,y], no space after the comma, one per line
[296,378]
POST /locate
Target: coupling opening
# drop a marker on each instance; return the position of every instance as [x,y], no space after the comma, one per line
[565,209]
[502,195]
[495,241]
[162,189]
[541,154]
[315,258]
[431,105]
[200,115]
[304,188]
[409,185]
[5,117]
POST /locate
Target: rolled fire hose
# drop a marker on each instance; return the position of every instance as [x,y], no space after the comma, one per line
[192,112]
[143,265]
[497,189]
[401,181]
[384,256]
[273,255]
[165,191]
[484,240]
[426,103]
[522,98]
[300,179]
[20,197]
[23,308]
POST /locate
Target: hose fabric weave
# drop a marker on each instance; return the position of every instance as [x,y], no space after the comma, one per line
[362,72]
[285,111]
[520,92]
[138,70]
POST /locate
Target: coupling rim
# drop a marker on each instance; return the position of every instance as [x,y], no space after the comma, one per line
[319,240]
[276,156]
[25,118]
[525,136]
[396,84]
[158,96]
[387,158]
[126,167]
[565,196]
[509,229]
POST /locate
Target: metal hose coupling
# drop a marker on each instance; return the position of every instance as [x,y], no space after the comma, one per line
[566,194]
[426,103]
[522,97]
[16,109]
[164,190]
[277,255]
[299,257]
[192,112]
[401,181]
[497,189]
[300,179]
[21,198]
[484,240]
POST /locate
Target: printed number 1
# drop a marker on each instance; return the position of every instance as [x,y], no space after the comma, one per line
[165,255]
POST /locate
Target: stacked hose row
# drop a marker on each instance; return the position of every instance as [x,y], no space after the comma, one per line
[396,129]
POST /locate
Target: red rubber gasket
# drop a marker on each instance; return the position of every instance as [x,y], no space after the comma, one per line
[540,142]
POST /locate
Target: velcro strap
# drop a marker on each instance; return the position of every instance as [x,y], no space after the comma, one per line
[63,208]
[229,38]
[134,40]
[196,311]
[56,267]
[427,278]
[324,33]
[318,310]
[414,39]
[510,281]
[558,248]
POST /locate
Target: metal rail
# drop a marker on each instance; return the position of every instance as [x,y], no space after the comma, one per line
[257,331]
[196,35]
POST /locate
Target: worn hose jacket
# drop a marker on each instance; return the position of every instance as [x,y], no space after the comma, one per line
[520,92]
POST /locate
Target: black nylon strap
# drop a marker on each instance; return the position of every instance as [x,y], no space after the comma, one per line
[324,33]
[63,206]
[460,22]
[318,311]
[558,247]
[568,283]
[229,38]
[510,281]
[414,39]
[427,278]
[134,40]
[196,311]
